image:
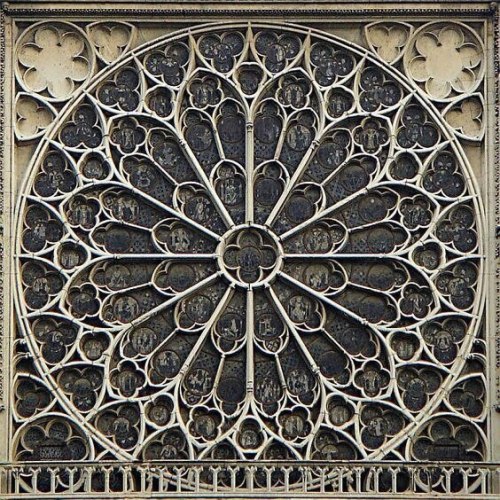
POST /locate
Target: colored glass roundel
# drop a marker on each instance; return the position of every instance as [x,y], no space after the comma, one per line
[250,243]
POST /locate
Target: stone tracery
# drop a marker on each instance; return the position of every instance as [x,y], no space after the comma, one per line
[264,243]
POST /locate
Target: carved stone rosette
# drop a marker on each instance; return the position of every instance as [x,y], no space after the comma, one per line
[250,241]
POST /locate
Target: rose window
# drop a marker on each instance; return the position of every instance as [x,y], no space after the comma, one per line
[251,243]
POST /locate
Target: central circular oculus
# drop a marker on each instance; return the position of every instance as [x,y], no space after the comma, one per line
[250,255]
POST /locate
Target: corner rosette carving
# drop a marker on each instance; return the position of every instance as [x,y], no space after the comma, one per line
[38,49]
[446,60]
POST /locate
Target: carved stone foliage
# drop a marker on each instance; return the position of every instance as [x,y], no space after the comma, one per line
[253,242]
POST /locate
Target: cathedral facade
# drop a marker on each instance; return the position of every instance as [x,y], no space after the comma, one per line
[249,249]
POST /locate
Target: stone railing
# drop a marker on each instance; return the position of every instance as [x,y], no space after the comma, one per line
[253,479]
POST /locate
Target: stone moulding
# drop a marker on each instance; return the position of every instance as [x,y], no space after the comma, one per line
[484,9]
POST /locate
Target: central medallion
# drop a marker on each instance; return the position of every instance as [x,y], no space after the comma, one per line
[250,255]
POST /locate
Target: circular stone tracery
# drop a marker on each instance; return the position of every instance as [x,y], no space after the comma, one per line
[331,326]
[250,255]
